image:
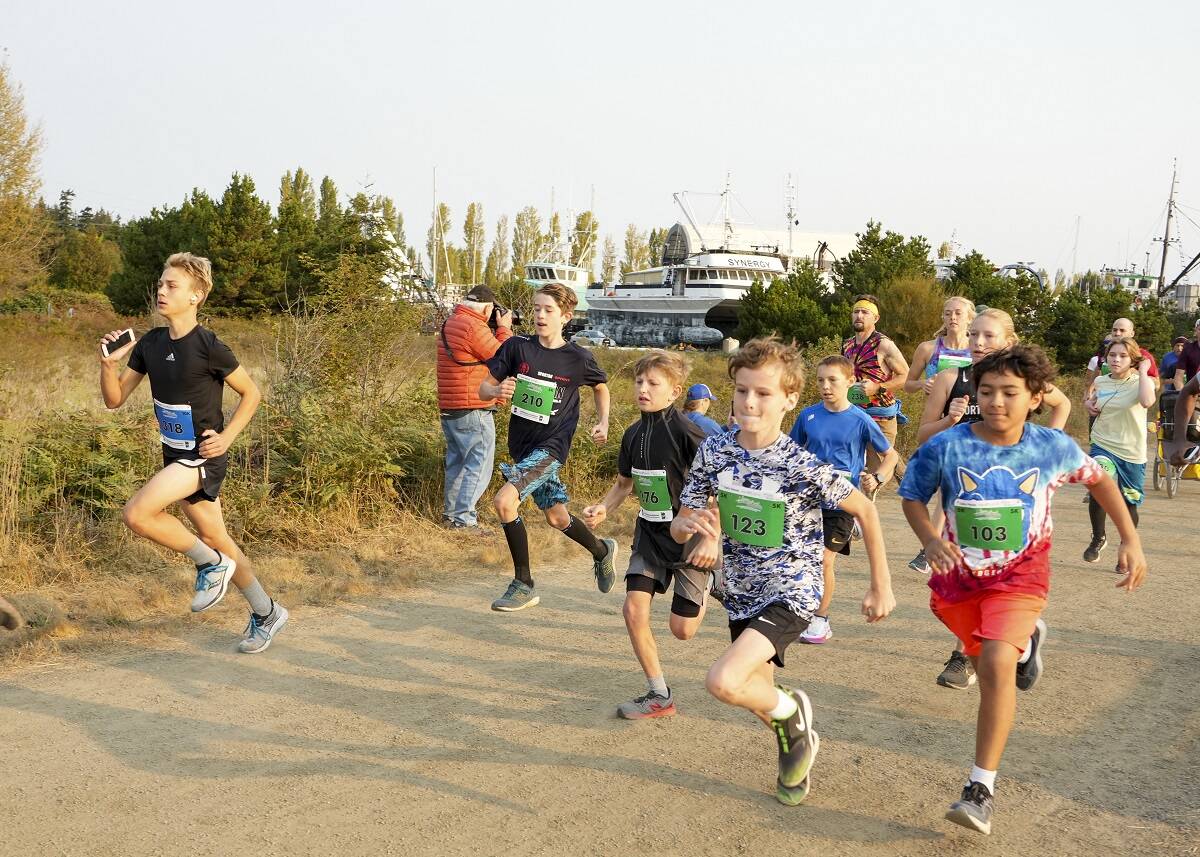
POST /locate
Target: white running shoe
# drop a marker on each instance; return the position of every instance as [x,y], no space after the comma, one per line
[212,582]
[818,631]
[258,635]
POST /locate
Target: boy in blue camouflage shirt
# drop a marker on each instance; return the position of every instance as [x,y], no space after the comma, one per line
[770,493]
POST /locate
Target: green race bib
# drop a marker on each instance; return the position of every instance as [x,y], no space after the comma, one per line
[751,517]
[856,395]
[992,525]
[533,399]
[1107,465]
[653,494]
[1104,370]
[950,361]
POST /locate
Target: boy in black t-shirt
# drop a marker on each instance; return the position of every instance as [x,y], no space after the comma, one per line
[656,453]
[188,368]
[542,376]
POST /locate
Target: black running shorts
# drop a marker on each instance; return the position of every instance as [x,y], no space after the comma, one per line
[777,623]
[212,474]
[839,526]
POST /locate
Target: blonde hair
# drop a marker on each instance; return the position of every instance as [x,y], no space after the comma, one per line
[771,349]
[196,267]
[966,302]
[1131,347]
[1005,321]
[671,363]
[566,298]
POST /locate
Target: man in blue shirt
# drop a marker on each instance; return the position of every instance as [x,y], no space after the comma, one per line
[1170,362]
[699,400]
[838,433]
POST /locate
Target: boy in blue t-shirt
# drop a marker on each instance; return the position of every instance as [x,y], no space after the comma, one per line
[838,433]
[769,494]
[991,562]
[695,408]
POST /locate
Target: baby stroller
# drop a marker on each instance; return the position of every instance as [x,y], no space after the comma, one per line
[1164,472]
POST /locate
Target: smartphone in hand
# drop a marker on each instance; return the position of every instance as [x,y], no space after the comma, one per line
[126,337]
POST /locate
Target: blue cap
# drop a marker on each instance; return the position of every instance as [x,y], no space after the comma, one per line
[700,391]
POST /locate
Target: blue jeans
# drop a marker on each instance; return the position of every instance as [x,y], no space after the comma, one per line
[470,454]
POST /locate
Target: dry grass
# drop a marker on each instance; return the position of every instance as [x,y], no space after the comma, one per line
[346,512]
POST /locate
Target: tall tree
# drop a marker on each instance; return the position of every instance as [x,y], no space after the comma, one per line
[583,240]
[497,271]
[474,243]
[246,271]
[608,264]
[527,239]
[553,237]
[296,236]
[881,256]
[636,250]
[22,228]
[438,247]
[654,245]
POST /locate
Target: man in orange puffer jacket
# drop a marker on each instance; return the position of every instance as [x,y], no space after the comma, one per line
[465,343]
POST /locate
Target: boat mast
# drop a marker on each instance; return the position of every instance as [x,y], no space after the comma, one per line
[1166,239]
[789,201]
[725,196]
[433,250]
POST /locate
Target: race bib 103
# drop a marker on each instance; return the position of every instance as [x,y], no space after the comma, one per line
[991,525]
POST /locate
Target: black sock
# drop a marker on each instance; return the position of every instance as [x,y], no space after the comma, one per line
[1133,513]
[577,531]
[1096,514]
[518,546]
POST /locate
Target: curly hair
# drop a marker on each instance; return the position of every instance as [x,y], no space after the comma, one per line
[771,349]
[1024,361]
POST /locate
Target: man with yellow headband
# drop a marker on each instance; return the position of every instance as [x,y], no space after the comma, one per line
[879,370]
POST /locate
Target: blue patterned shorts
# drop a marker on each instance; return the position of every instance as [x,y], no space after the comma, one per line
[536,475]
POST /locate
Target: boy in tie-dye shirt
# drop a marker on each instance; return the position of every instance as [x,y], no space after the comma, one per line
[991,564]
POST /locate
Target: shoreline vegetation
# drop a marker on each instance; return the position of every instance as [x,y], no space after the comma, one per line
[334,489]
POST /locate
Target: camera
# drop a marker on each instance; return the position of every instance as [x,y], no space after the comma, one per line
[499,310]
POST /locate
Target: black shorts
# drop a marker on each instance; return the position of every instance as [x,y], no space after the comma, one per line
[839,526]
[775,622]
[212,474]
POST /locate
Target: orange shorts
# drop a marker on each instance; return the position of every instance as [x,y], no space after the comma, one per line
[1007,616]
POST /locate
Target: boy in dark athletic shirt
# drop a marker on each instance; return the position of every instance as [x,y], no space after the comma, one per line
[541,375]
[188,368]
[656,453]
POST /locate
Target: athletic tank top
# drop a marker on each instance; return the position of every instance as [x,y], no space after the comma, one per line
[865,358]
[952,356]
[962,387]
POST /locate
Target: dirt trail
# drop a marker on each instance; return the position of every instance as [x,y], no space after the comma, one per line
[426,724]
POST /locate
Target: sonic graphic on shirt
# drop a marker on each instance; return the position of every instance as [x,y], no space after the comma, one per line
[997,503]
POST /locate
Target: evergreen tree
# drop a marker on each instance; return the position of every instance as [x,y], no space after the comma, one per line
[496,271]
[654,246]
[881,256]
[799,307]
[85,261]
[296,230]
[583,241]
[527,239]
[246,271]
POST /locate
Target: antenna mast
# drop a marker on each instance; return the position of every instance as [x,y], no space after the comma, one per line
[789,201]
[433,253]
[1166,239]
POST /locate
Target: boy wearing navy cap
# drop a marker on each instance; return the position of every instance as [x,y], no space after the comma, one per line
[699,399]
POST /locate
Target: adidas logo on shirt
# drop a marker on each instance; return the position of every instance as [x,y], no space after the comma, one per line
[171,357]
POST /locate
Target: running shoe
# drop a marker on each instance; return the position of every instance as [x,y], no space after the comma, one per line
[518,596]
[1093,550]
[958,674]
[919,563]
[973,809]
[260,632]
[605,567]
[856,533]
[650,704]
[798,745]
[1029,672]
[818,631]
[212,582]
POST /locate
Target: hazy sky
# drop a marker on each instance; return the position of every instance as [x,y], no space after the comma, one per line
[1003,121]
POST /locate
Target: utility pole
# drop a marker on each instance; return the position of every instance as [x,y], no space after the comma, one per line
[1166,239]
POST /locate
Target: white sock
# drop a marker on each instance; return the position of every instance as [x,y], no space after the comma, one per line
[784,708]
[979,775]
[1028,651]
[201,554]
[260,603]
[657,684]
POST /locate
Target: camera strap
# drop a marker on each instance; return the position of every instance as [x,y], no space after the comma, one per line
[450,354]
